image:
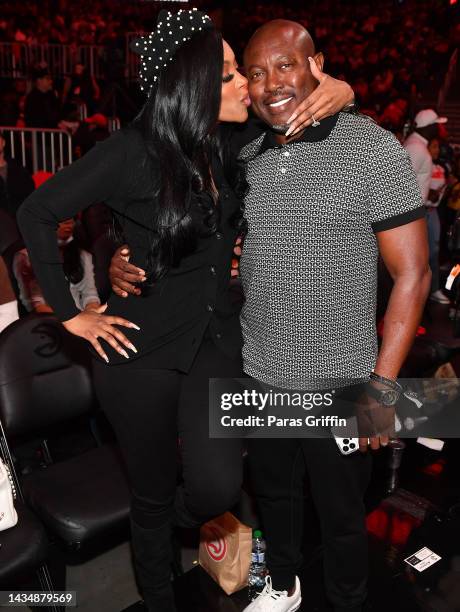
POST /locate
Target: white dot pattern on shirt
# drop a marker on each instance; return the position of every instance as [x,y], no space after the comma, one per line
[309,262]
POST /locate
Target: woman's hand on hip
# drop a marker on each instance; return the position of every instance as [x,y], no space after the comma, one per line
[331,96]
[93,324]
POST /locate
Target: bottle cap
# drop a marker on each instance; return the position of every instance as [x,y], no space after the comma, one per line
[257,533]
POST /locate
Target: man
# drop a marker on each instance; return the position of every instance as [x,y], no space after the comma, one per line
[321,204]
[333,198]
[416,144]
[42,106]
[427,124]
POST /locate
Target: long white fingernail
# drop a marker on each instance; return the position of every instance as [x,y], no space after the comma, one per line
[132,347]
[124,353]
[134,326]
[106,358]
[289,131]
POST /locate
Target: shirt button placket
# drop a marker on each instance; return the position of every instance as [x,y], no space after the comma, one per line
[283,161]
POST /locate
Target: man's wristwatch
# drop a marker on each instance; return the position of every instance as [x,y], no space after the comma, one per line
[389,395]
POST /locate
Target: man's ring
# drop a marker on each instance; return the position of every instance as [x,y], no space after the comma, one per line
[315,123]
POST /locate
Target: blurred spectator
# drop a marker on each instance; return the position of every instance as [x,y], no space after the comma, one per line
[10,242]
[21,120]
[78,268]
[15,182]
[8,302]
[42,106]
[9,233]
[453,200]
[91,130]
[426,128]
[437,188]
[81,87]
[70,121]
[423,146]
[393,116]
[10,111]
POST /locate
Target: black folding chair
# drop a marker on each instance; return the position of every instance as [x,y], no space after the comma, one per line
[45,382]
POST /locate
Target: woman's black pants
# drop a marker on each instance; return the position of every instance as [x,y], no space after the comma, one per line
[152,411]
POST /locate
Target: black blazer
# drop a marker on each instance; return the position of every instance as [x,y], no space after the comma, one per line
[180,307]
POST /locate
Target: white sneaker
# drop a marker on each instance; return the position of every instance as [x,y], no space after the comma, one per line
[440,297]
[276,601]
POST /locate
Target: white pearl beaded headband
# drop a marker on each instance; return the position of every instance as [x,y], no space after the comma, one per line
[157,49]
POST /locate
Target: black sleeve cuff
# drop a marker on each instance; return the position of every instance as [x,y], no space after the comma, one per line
[397,220]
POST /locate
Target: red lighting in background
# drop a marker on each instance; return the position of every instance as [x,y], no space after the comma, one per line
[453,1]
[390,526]
[435,469]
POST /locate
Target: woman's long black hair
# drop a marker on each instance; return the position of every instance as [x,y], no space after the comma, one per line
[179,124]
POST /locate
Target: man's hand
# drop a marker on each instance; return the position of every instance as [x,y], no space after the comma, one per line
[123,275]
[327,99]
[375,442]
[376,422]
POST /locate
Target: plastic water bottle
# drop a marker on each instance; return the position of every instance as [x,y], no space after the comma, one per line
[257,569]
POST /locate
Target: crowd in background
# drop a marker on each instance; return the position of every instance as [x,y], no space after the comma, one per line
[393,53]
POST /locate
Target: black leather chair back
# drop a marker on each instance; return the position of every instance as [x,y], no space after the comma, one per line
[44,375]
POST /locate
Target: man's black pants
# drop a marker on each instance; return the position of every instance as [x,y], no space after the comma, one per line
[338,484]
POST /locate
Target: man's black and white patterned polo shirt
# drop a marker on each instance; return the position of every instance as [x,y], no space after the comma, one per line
[309,263]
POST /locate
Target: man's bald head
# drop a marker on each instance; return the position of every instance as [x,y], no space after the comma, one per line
[278,70]
[283,29]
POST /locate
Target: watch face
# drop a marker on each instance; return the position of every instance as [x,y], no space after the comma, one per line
[390,397]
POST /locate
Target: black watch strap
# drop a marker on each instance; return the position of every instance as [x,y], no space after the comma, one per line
[392,384]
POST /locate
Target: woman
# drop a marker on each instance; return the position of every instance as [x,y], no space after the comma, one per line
[174,190]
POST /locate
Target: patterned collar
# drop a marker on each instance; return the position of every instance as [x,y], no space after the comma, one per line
[310,134]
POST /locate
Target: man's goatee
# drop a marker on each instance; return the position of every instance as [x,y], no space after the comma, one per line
[280,129]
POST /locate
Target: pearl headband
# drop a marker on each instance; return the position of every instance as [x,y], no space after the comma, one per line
[157,49]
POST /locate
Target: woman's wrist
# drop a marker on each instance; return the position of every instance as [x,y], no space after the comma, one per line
[351,106]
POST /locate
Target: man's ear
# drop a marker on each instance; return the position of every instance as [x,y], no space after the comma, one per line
[319,60]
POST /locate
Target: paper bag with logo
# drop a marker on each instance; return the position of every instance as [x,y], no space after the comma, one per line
[225,551]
